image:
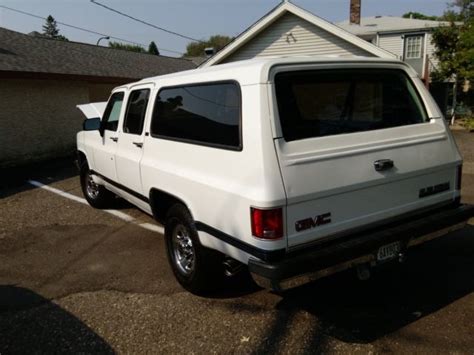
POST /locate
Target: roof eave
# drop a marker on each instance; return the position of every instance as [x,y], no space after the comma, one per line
[279,11]
[407,30]
[19,74]
[246,35]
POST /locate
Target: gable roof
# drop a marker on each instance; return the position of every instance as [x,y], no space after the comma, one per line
[196,60]
[32,54]
[282,9]
[377,24]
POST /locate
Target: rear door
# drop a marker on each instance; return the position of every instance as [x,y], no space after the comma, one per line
[413,52]
[356,146]
[131,137]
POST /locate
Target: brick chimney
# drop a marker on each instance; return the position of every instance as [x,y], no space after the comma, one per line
[355,12]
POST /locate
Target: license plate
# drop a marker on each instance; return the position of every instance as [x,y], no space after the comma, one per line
[388,251]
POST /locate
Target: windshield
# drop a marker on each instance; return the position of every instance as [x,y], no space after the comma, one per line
[320,103]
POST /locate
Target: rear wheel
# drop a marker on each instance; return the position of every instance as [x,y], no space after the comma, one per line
[198,269]
[97,195]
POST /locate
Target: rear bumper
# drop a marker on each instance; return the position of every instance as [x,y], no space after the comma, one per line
[324,259]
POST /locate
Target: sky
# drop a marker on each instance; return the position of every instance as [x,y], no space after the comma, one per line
[194,18]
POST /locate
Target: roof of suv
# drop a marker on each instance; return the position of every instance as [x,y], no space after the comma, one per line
[253,71]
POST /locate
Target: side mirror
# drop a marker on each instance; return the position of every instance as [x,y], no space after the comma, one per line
[91,124]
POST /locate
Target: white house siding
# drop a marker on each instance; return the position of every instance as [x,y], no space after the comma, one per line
[307,39]
[430,51]
[392,43]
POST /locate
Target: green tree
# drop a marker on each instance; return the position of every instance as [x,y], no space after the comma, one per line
[196,49]
[420,16]
[455,43]
[127,47]
[153,48]
[455,49]
[62,38]
[51,30]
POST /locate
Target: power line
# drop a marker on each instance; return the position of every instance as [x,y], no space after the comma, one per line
[72,26]
[146,23]
[86,30]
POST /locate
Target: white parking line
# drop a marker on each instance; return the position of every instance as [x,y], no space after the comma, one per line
[123,216]
[56,191]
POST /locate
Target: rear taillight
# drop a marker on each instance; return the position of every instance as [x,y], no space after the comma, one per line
[459,177]
[267,224]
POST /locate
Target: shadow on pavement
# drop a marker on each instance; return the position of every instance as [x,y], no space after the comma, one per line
[13,180]
[31,323]
[238,285]
[434,276]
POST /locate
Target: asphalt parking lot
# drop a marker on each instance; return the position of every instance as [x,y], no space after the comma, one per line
[76,279]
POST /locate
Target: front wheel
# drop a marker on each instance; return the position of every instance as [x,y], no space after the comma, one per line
[96,195]
[198,269]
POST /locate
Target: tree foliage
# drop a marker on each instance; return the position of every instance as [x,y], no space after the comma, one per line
[455,43]
[51,30]
[196,49]
[420,16]
[153,48]
[127,47]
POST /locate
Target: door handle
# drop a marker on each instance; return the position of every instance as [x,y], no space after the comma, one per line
[383,164]
[115,139]
[138,144]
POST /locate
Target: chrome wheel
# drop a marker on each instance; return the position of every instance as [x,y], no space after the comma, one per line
[183,249]
[92,188]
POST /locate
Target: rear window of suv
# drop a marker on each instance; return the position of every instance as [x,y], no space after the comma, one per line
[321,103]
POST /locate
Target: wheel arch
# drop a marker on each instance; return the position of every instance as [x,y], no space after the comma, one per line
[81,157]
[161,201]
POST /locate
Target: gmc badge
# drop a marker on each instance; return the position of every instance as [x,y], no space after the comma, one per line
[317,221]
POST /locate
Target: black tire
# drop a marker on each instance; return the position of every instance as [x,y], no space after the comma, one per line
[205,271]
[97,195]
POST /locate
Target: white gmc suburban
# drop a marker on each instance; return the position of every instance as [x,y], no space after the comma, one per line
[294,167]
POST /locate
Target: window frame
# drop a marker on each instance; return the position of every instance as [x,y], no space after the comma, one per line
[238,148]
[128,107]
[408,44]
[103,123]
[276,110]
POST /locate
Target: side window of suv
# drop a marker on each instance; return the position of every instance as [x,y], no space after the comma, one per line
[112,112]
[204,114]
[136,109]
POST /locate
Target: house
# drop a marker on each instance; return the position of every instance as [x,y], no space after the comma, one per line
[291,30]
[409,39]
[42,80]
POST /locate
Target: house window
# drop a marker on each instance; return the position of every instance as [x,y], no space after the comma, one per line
[413,47]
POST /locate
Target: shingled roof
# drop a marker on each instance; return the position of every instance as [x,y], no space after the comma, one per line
[31,54]
[381,24]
